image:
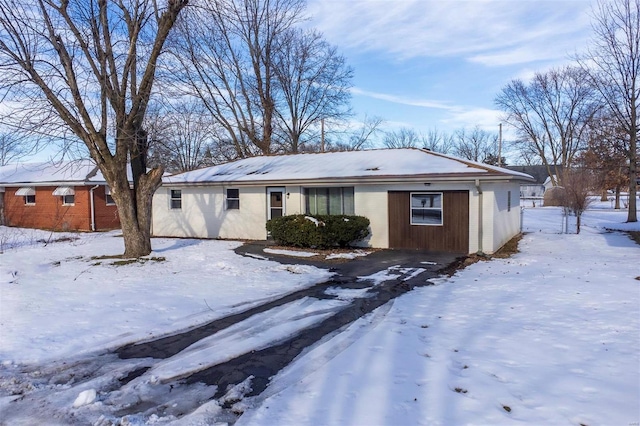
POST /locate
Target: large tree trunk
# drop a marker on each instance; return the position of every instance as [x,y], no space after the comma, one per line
[134,204]
[134,208]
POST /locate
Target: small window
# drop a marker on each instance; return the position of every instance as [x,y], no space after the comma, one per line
[233,199]
[68,200]
[107,196]
[508,201]
[28,193]
[176,198]
[426,208]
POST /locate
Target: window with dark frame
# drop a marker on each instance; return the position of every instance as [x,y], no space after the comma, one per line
[233,199]
[426,208]
[176,199]
[30,200]
[331,201]
[68,200]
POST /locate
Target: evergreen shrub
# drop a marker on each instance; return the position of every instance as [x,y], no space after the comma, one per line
[318,231]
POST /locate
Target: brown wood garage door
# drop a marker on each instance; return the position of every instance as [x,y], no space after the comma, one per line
[451,236]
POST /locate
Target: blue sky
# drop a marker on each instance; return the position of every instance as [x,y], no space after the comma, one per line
[429,64]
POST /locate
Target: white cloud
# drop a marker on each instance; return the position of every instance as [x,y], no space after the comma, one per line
[485,31]
[423,103]
[487,119]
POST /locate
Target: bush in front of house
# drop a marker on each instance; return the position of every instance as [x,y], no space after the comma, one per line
[318,231]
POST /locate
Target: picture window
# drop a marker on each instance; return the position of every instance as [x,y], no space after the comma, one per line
[332,201]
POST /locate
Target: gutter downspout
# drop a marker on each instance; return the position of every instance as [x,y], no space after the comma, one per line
[93,210]
[480,218]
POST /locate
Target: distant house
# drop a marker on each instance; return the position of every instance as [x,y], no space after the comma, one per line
[57,196]
[414,199]
[535,190]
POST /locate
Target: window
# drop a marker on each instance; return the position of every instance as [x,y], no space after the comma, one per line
[508,201]
[107,196]
[68,200]
[329,200]
[176,198]
[233,199]
[29,195]
[67,194]
[426,208]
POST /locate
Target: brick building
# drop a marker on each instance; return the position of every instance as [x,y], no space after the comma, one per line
[64,196]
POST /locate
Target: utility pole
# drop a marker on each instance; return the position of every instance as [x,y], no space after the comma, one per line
[500,145]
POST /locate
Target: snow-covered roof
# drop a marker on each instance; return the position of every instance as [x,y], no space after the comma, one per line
[79,172]
[376,164]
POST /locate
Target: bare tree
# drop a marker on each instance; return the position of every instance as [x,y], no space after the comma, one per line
[612,64]
[89,68]
[227,54]
[605,157]
[578,184]
[551,114]
[438,141]
[14,147]
[404,137]
[475,145]
[181,136]
[358,138]
[313,85]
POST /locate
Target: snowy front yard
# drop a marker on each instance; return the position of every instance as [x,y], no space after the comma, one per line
[548,336]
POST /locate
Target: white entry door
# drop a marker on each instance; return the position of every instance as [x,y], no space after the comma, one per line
[275,202]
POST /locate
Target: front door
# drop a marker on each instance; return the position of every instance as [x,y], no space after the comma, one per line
[275,202]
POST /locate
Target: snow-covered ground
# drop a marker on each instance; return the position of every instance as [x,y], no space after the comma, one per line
[548,336]
[61,300]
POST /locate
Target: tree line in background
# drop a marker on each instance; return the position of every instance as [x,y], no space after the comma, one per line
[584,116]
[188,84]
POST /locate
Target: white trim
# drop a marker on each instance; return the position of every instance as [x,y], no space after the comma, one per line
[64,203]
[283,191]
[441,208]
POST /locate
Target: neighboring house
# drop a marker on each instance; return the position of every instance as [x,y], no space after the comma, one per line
[69,196]
[534,191]
[548,183]
[414,198]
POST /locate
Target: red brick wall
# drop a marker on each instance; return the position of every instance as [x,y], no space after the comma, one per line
[49,213]
[106,216]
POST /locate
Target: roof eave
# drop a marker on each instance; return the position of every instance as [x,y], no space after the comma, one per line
[53,183]
[430,178]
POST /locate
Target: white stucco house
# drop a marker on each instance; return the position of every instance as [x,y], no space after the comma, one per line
[414,198]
